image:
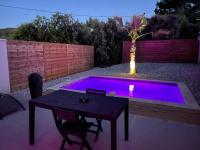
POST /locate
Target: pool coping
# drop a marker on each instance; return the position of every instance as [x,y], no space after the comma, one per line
[189,100]
[188,112]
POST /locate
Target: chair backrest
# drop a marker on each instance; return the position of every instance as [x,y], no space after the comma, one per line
[95,91]
[66,115]
[35,85]
[61,116]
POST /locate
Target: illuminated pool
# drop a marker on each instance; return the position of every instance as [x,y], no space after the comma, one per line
[131,88]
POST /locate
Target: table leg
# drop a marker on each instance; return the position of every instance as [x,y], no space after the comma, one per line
[126,123]
[113,135]
[31,123]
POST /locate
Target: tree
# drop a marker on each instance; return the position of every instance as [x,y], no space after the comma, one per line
[138,24]
[164,7]
[97,39]
[93,23]
[81,33]
[61,28]
[164,26]
[171,27]
[102,58]
[110,29]
[188,30]
[187,8]
[26,32]
[42,26]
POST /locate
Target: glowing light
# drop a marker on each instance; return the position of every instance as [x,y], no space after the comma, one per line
[132,67]
[131,88]
[112,93]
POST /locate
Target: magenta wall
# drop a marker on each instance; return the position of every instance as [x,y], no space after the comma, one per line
[172,51]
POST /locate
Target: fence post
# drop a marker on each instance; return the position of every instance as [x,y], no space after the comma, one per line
[4,71]
[199,49]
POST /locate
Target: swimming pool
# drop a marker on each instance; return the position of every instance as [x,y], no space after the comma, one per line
[154,98]
[131,88]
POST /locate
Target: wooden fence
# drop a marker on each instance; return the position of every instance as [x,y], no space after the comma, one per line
[51,60]
[171,51]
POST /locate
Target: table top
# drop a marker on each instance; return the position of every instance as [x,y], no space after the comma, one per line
[106,107]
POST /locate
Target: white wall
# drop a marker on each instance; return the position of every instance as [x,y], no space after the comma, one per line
[4,72]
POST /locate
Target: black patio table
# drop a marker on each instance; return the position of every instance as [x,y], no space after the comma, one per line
[105,107]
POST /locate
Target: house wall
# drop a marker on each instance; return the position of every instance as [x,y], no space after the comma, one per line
[199,49]
[51,60]
[172,51]
[4,73]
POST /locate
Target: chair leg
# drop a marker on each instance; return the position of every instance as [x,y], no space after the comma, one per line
[63,144]
[99,128]
[85,143]
[97,135]
[81,147]
[83,119]
[99,120]
[70,142]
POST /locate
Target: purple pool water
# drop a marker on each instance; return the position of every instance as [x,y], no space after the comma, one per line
[149,90]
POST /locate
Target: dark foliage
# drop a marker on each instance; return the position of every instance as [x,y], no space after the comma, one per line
[187,8]
[165,27]
[26,32]
[189,30]
[107,37]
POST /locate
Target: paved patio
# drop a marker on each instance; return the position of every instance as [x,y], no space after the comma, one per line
[145,133]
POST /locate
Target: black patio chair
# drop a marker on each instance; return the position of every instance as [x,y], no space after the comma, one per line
[9,104]
[98,120]
[68,123]
[35,85]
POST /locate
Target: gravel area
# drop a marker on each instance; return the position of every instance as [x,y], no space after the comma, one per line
[187,73]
